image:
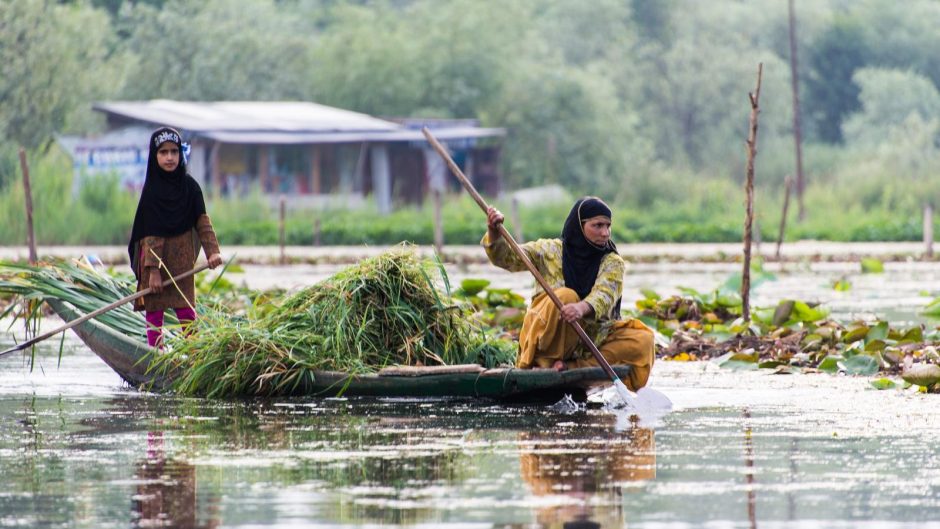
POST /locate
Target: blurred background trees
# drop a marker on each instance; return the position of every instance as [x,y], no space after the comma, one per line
[643,102]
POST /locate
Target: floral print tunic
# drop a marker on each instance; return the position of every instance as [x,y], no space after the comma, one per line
[545,255]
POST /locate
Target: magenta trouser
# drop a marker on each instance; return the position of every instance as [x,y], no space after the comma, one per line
[185,315]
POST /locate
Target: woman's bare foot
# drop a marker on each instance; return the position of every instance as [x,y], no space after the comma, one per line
[559,366]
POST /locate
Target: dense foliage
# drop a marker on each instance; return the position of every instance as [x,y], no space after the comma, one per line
[643,103]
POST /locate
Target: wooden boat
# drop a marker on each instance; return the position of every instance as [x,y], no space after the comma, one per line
[128,358]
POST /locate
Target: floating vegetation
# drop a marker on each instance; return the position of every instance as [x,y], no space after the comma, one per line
[384,311]
[793,336]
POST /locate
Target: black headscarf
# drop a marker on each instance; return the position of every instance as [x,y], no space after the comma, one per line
[580,258]
[170,202]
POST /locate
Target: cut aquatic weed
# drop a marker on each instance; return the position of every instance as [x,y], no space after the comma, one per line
[76,282]
[384,311]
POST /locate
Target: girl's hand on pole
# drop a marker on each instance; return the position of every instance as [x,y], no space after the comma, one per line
[156,282]
[215,260]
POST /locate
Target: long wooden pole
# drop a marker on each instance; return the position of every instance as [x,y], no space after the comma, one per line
[797,132]
[522,255]
[102,310]
[749,190]
[27,191]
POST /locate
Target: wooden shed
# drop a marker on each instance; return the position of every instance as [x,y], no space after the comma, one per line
[314,155]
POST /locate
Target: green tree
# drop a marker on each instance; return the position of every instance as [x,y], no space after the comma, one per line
[217,50]
[54,59]
[897,129]
[694,100]
[427,58]
[889,98]
[830,93]
[568,127]
[902,35]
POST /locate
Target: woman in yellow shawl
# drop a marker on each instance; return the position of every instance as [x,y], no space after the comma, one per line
[586,273]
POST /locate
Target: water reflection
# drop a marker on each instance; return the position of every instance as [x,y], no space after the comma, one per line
[749,470]
[586,470]
[165,495]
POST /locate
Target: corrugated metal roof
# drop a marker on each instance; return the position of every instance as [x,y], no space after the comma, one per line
[291,138]
[231,116]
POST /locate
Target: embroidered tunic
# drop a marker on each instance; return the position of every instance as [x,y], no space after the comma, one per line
[178,253]
[545,254]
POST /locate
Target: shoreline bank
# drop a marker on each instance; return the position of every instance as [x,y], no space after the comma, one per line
[822,251]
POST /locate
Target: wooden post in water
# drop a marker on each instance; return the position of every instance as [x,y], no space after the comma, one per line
[28,195]
[928,230]
[749,191]
[438,222]
[787,184]
[282,236]
[516,221]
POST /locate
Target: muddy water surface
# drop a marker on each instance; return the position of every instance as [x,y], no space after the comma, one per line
[740,449]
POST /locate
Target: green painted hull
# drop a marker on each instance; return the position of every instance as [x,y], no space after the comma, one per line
[128,358]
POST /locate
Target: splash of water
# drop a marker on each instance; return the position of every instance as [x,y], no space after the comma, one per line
[567,405]
[644,408]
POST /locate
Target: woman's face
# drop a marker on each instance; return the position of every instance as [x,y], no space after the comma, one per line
[168,156]
[597,230]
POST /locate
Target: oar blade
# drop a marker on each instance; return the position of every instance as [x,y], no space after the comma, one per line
[626,398]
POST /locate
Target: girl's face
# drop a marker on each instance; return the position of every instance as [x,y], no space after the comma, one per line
[597,230]
[168,156]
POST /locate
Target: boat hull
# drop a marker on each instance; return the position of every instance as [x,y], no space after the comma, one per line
[129,359]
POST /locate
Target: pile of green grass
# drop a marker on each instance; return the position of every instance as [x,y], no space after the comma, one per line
[76,282]
[384,311]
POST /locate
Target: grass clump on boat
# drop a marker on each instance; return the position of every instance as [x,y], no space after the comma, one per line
[25,287]
[384,311]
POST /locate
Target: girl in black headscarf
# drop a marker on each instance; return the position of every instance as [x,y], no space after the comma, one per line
[586,273]
[170,225]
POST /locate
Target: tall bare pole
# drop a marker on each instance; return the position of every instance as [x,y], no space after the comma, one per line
[749,191]
[27,191]
[281,230]
[787,185]
[438,222]
[797,131]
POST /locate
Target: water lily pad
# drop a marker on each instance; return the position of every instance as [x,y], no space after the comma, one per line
[808,313]
[872,266]
[884,383]
[913,335]
[473,287]
[738,365]
[855,333]
[649,294]
[860,365]
[830,364]
[842,285]
[879,331]
[922,374]
[782,314]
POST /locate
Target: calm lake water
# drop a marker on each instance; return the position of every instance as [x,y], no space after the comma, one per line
[739,449]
